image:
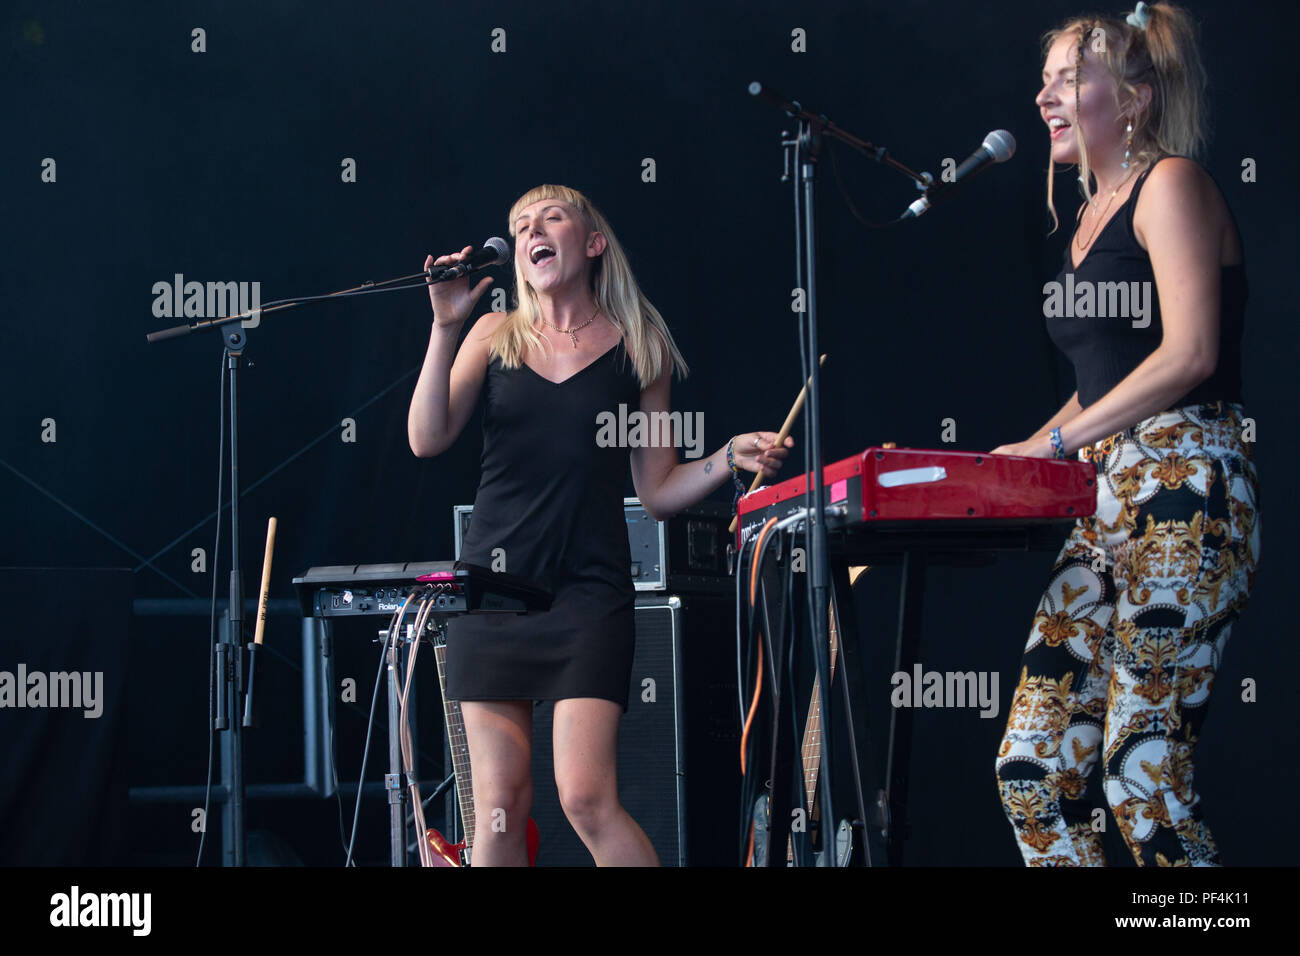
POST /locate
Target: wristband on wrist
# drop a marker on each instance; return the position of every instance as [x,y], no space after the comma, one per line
[735,473]
[1058,447]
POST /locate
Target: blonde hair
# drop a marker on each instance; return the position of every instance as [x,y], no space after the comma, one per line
[645,334]
[1163,56]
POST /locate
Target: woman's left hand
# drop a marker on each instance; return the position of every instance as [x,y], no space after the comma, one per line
[758,451]
[1040,447]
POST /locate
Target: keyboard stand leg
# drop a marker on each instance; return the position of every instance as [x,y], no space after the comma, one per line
[910,605]
[848,676]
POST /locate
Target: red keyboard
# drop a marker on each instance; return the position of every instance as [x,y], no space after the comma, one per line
[890,487]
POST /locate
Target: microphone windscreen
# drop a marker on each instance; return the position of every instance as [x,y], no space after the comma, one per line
[1001,144]
[500,247]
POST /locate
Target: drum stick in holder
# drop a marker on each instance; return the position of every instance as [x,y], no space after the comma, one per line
[263,595]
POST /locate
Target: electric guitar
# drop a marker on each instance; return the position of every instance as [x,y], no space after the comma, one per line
[445,853]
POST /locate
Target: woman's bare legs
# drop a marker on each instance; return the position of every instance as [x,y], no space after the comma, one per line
[586,773]
[499,734]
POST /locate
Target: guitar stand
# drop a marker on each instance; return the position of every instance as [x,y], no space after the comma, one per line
[395,780]
[438,791]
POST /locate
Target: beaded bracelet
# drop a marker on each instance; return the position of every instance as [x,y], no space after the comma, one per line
[735,473]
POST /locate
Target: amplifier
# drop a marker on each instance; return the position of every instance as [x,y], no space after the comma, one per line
[690,553]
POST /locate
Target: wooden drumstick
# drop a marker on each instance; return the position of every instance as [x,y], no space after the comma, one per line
[264,594]
[250,708]
[780,437]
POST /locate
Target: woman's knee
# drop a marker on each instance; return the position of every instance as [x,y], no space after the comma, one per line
[502,795]
[588,802]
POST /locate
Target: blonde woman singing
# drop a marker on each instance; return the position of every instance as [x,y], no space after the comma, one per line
[582,340]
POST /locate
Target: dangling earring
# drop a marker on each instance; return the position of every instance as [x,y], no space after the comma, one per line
[1128,146]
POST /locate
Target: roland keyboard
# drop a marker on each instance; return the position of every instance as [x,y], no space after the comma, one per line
[354,590]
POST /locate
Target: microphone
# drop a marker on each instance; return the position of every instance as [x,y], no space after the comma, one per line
[494,252]
[998,147]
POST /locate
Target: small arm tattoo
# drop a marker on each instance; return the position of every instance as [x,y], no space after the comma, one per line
[708,466]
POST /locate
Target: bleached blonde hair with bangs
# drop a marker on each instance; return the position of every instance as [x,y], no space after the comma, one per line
[645,334]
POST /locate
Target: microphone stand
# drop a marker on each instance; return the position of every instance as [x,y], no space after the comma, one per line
[804,149]
[230,663]
[229,660]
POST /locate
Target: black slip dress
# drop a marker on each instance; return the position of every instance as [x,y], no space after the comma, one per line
[550,507]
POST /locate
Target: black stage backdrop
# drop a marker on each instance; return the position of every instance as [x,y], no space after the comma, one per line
[231,164]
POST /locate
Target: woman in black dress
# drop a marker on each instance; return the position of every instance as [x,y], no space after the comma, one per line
[581,342]
[1129,634]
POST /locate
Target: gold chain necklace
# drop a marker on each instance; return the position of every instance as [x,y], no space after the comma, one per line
[1102,216]
[572,333]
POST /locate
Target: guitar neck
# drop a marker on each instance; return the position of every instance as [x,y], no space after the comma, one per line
[811,750]
[459,747]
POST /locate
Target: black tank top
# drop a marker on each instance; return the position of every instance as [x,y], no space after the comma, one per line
[1105,314]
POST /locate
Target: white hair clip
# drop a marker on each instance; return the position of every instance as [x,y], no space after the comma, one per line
[1139,17]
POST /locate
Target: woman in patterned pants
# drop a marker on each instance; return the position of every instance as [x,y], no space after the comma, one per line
[1129,634]
[1127,640]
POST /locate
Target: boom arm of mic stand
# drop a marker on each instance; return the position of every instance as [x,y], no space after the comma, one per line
[820,124]
[366,288]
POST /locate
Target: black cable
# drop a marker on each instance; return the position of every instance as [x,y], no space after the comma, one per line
[788,619]
[839,181]
[212,620]
[773,538]
[365,754]
[750,782]
[752,785]
[247,631]
[331,714]
[744,673]
[759,558]
[748,797]
[740,674]
[348,294]
[366,288]
[803,325]
[804,369]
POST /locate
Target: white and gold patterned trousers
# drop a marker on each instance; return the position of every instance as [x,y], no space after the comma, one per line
[1126,642]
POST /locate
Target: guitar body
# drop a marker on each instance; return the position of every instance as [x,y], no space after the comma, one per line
[758,827]
[845,850]
[444,853]
[456,854]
